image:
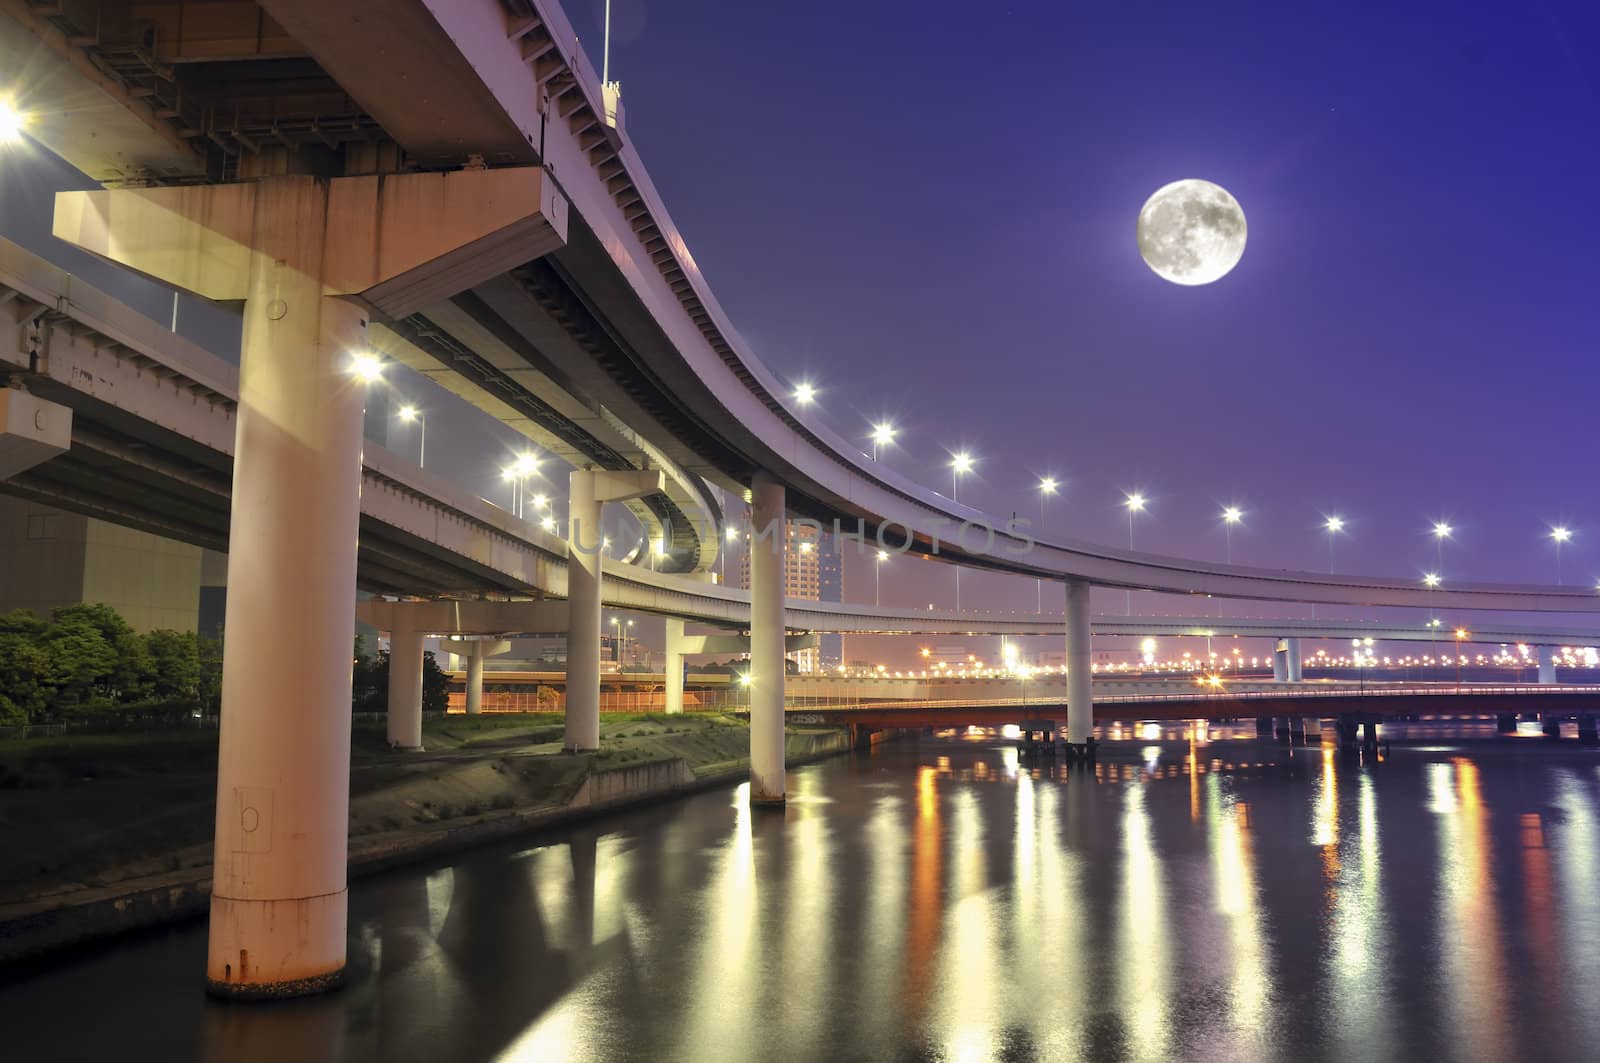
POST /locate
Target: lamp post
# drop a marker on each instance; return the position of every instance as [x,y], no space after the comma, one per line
[960,463]
[1559,534]
[1461,633]
[408,414]
[1048,485]
[877,569]
[1441,531]
[1231,515]
[1134,502]
[883,434]
[1333,526]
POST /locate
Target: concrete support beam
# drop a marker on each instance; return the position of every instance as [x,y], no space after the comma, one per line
[767,779]
[405,690]
[1280,663]
[475,657]
[1080,677]
[306,256]
[587,495]
[466,618]
[1547,666]
[32,431]
[1292,660]
[673,666]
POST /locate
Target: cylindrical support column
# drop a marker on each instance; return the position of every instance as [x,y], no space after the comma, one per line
[1547,665]
[1280,662]
[673,667]
[1292,660]
[1588,731]
[1080,686]
[283,758]
[474,678]
[1264,726]
[584,542]
[1552,726]
[767,518]
[405,689]
[1505,723]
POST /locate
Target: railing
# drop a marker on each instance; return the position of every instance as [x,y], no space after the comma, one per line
[1205,696]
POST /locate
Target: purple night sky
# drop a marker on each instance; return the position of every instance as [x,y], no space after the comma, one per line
[928,210]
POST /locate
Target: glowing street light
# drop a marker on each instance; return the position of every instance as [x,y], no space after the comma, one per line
[1559,534]
[1134,502]
[1333,526]
[366,367]
[409,414]
[11,122]
[877,568]
[1430,579]
[805,393]
[1231,515]
[883,434]
[960,462]
[1048,485]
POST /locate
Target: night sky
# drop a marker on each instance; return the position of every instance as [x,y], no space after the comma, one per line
[928,210]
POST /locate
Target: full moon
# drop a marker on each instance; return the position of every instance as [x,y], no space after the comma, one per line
[1191,232]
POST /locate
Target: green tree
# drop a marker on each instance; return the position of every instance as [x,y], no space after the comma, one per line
[82,663]
[129,674]
[174,658]
[208,686]
[24,668]
[435,685]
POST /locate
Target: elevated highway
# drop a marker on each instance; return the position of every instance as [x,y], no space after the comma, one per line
[448,180]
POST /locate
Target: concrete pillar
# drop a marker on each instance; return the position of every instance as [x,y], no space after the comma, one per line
[1547,665]
[767,519]
[475,655]
[405,689]
[584,539]
[1264,726]
[588,491]
[306,256]
[673,668]
[1292,660]
[1080,674]
[1588,730]
[1280,663]
[1505,723]
[1552,726]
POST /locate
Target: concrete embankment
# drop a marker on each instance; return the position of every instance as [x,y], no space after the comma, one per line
[480,787]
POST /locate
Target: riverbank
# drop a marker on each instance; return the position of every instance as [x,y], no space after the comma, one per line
[105,833]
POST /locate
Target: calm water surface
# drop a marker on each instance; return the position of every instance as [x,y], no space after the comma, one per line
[1210,899]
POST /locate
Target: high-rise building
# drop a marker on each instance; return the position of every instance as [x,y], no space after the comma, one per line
[55,558]
[812,572]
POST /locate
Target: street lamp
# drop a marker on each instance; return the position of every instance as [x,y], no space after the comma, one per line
[408,414]
[1333,526]
[1048,486]
[883,434]
[366,367]
[1559,534]
[1231,515]
[961,462]
[1461,633]
[877,568]
[805,393]
[1441,531]
[11,122]
[1134,503]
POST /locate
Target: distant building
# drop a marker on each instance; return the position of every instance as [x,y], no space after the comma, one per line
[55,558]
[813,572]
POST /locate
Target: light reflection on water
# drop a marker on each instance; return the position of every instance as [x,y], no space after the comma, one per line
[1197,897]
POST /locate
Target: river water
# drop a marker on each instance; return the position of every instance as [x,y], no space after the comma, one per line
[1195,897]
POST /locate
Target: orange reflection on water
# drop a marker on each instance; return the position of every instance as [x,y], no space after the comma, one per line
[1539,897]
[1470,921]
[922,938]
